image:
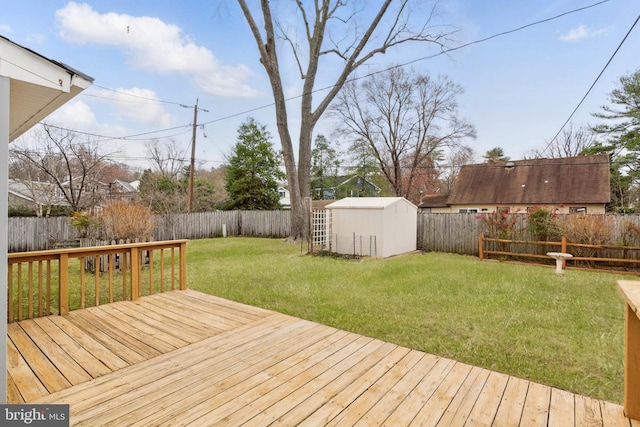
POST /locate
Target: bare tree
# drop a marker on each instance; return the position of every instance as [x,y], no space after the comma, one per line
[570,143]
[407,118]
[333,30]
[168,159]
[74,166]
[459,157]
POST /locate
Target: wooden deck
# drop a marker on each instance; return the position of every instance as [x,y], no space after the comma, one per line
[187,358]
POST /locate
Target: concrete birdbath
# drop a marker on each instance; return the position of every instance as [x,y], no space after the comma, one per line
[560,257]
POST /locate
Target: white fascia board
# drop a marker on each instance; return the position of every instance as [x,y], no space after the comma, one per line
[21,64]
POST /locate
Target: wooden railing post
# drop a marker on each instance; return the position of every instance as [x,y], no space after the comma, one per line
[183,266]
[563,249]
[481,246]
[632,364]
[63,284]
[135,273]
[630,291]
[10,296]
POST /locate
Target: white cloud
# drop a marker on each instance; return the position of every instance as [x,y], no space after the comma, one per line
[75,115]
[6,29]
[582,32]
[79,116]
[153,45]
[138,105]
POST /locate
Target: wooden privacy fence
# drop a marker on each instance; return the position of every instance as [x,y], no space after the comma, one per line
[34,234]
[48,282]
[590,256]
[446,232]
[450,233]
[458,233]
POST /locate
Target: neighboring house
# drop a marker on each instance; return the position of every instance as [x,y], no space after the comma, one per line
[17,200]
[38,196]
[122,190]
[569,185]
[434,203]
[333,188]
[94,193]
[285,198]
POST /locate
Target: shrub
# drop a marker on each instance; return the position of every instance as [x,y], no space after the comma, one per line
[25,211]
[588,230]
[541,223]
[500,224]
[86,224]
[123,220]
[631,234]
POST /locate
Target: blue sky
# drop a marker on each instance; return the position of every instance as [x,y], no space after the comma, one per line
[520,88]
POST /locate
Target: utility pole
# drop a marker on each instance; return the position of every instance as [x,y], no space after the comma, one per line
[192,168]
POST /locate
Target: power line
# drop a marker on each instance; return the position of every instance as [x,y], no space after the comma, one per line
[125,137]
[138,96]
[592,85]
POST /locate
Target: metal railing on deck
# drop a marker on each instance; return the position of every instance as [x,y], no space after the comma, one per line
[49,282]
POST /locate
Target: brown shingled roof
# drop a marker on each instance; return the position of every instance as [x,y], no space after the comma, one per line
[583,179]
[434,201]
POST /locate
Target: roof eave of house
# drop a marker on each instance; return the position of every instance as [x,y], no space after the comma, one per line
[38,85]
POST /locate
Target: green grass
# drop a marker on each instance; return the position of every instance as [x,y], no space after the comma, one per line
[562,330]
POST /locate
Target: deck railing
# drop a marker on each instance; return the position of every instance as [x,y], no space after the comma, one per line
[48,282]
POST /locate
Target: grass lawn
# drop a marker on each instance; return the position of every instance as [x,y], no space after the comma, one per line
[562,330]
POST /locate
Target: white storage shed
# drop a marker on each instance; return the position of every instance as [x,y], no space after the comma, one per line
[372,226]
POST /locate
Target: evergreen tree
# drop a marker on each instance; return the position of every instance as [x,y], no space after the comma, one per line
[620,138]
[325,163]
[495,155]
[253,172]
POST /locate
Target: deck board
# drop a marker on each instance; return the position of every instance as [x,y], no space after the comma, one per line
[186,358]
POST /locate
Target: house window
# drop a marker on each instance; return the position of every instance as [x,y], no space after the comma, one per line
[577,209]
[503,210]
[467,210]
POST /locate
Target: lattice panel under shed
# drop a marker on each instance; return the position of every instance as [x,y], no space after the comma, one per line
[321,228]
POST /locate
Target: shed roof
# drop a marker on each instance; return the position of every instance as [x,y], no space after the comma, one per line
[583,179]
[367,202]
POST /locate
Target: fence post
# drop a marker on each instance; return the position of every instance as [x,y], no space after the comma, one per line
[563,249]
[354,243]
[63,284]
[481,246]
